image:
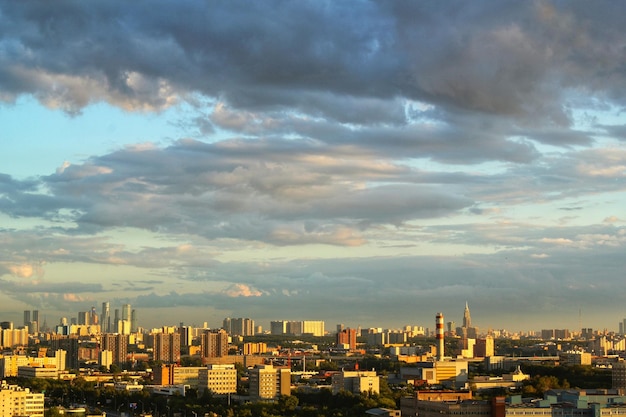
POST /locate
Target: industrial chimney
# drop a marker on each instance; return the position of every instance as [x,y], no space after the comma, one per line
[439,335]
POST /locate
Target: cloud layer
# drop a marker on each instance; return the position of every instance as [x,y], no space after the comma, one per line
[364,155]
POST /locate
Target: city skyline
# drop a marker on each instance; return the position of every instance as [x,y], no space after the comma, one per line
[370,161]
[245,326]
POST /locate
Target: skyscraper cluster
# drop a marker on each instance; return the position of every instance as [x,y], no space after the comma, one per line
[31,321]
[124,324]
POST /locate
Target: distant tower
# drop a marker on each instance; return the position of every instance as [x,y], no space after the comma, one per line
[35,321]
[126,311]
[26,318]
[439,335]
[133,321]
[105,319]
[93,319]
[467,320]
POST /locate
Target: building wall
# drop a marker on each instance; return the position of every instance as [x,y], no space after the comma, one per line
[484,347]
[186,375]
[117,344]
[47,372]
[314,327]
[218,379]
[267,382]
[10,364]
[618,376]
[461,408]
[278,327]
[214,344]
[177,375]
[575,358]
[17,401]
[166,347]
[14,337]
[254,348]
[356,382]
[347,337]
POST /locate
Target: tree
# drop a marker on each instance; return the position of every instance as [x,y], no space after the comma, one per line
[287,403]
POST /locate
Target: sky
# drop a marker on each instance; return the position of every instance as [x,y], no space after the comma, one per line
[369,163]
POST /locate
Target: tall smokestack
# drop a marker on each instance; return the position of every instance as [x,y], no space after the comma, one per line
[439,335]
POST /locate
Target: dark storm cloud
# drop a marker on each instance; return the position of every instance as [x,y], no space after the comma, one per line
[354,63]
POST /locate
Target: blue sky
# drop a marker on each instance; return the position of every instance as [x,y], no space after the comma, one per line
[366,163]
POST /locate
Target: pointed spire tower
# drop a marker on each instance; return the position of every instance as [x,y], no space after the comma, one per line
[467,319]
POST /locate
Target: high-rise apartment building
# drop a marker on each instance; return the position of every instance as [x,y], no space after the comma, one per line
[117,344]
[268,382]
[166,347]
[214,344]
[13,337]
[278,327]
[239,326]
[186,335]
[347,337]
[313,327]
[294,327]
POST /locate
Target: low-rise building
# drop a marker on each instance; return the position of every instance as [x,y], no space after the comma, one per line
[9,364]
[218,379]
[356,382]
[46,372]
[556,403]
[513,380]
[451,374]
[177,375]
[445,403]
[575,358]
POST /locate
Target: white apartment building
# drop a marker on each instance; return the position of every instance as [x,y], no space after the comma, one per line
[18,401]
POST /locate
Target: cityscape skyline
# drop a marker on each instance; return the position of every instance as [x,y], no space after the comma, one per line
[373,162]
[127,322]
